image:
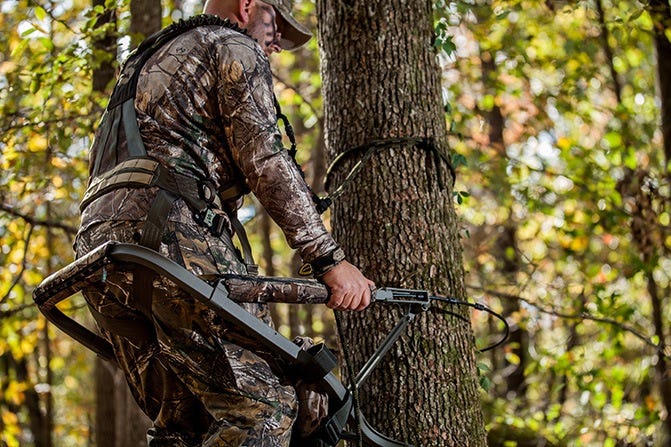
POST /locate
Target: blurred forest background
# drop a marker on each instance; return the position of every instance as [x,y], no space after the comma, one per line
[555,110]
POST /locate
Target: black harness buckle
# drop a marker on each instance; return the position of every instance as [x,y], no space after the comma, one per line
[207,192]
[214,220]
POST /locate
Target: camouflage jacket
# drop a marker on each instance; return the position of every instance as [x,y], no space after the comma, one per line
[205,107]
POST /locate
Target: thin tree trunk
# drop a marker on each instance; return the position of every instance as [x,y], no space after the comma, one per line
[397,221]
[105,49]
[267,248]
[505,249]
[660,11]
[119,421]
[145,19]
[106,415]
[31,401]
[644,222]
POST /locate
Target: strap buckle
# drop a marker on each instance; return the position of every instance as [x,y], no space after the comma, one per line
[208,193]
[213,220]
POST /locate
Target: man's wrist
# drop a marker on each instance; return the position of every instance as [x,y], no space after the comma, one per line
[324,263]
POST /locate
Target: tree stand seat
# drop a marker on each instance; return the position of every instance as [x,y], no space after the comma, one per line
[221,294]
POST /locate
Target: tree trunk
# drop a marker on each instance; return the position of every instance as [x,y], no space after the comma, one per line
[505,247]
[397,220]
[105,421]
[660,10]
[145,19]
[104,49]
[645,229]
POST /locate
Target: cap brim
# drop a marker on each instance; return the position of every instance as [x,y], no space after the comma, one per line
[294,34]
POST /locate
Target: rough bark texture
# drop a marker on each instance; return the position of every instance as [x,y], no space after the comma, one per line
[397,220]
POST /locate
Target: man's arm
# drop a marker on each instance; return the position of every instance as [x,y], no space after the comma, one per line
[350,290]
[247,103]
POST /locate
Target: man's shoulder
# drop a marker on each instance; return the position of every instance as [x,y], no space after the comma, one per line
[225,39]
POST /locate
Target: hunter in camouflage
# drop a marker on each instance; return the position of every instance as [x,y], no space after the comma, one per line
[205,109]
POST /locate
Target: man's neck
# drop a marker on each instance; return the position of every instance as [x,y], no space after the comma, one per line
[222,9]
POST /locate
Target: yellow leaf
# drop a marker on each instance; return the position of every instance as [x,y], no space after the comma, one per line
[512,358]
[579,243]
[564,143]
[37,143]
[61,193]
[27,346]
[15,393]
[58,163]
[9,418]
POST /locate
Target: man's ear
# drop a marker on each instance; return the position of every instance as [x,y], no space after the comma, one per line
[245,7]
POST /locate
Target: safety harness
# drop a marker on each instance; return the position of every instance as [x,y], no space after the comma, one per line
[122,152]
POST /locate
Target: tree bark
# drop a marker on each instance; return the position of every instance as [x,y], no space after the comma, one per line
[397,220]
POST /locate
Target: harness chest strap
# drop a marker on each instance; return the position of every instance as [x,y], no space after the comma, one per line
[200,196]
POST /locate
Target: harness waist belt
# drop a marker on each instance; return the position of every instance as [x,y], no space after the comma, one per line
[200,196]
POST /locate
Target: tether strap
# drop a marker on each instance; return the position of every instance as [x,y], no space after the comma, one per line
[152,233]
[321,204]
[374,146]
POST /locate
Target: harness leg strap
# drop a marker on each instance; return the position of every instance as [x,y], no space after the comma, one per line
[152,233]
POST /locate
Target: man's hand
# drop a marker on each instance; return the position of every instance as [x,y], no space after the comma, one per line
[350,290]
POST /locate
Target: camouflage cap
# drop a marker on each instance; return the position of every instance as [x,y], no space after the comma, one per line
[293,33]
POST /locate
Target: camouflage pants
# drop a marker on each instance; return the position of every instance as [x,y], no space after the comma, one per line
[185,368]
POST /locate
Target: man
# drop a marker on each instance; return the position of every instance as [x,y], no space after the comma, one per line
[205,109]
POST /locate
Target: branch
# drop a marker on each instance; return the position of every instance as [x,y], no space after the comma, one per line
[10,312]
[300,95]
[580,316]
[24,261]
[60,120]
[50,13]
[69,229]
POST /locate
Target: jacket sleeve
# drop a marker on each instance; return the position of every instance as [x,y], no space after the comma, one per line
[246,101]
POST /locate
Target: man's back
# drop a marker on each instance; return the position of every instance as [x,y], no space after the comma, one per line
[206,109]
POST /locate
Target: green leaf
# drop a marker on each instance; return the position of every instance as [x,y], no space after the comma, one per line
[47,43]
[487,102]
[40,13]
[28,32]
[458,160]
[614,139]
